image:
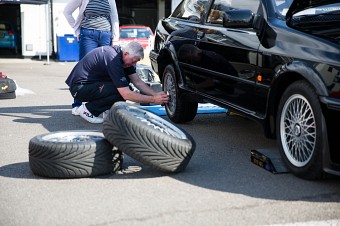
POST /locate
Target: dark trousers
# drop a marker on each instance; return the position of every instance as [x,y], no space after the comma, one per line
[89,40]
[100,96]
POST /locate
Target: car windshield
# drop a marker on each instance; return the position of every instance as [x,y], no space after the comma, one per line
[135,33]
[325,9]
[282,7]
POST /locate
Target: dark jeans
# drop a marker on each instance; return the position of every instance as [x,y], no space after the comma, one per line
[100,96]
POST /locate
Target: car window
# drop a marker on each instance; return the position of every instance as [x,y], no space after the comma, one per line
[282,6]
[252,5]
[194,10]
[135,33]
[219,6]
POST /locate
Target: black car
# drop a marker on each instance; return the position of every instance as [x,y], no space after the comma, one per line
[273,61]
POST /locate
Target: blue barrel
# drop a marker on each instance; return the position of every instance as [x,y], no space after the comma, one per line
[68,48]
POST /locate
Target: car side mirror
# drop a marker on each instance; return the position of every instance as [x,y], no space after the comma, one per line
[238,18]
[258,23]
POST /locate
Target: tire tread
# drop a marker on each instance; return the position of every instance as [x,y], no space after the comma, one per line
[144,144]
[70,160]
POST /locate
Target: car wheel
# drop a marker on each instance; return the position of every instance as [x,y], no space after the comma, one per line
[178,110]
[301,131]
[70,154]
[148,138]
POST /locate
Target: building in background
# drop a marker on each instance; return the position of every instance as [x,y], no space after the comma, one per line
[39,22]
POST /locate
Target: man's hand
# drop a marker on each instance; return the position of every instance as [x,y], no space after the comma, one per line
[161,98]
[157,98]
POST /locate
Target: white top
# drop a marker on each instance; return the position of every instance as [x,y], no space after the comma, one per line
[72,5]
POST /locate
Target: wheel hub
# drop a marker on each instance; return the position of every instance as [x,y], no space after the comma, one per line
[297,130]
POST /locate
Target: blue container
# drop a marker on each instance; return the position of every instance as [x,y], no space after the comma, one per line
[68,48]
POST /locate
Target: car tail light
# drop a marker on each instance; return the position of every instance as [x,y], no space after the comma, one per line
[10,32]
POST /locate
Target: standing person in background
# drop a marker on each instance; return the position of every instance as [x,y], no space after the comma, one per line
[96,25]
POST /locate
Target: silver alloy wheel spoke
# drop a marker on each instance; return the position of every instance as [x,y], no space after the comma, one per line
[170,88]
[298,130]
[73,137]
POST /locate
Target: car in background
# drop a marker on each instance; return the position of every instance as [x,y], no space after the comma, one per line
[138,33]
[8,36]
[274,61]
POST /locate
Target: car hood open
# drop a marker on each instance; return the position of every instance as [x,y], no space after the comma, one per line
[299,5]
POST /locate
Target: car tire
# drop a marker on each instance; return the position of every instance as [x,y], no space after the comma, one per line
[10,95]
[148,138]
[70,154]
[8,87]
[178,110]
[301,131]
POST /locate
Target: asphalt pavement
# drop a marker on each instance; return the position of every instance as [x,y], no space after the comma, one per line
[220,186]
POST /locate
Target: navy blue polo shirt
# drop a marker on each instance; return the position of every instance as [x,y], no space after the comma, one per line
[101,64]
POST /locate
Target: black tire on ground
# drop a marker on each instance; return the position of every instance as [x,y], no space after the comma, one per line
[301,131]
[70,154]
[178,110]
[8,88]
[148,138]
[10,95]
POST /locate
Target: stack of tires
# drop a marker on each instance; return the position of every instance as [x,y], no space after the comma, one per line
[127,129]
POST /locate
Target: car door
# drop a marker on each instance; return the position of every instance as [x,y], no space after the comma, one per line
[184,23]
[226,71]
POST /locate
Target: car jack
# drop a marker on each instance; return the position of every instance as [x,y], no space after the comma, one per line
[268,159]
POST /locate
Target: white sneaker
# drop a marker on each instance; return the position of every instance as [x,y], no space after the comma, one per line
[75,111]
[106,113]
[88,116]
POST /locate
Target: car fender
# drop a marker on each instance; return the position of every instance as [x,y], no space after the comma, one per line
[308,72]
[167,55]
[285,75]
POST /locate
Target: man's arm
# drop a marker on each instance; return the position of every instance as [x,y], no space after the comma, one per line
[141,85]
[157,98]
[147,94]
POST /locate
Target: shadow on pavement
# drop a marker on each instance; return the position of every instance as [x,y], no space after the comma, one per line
[53,118]
[221,161]
[132,170]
